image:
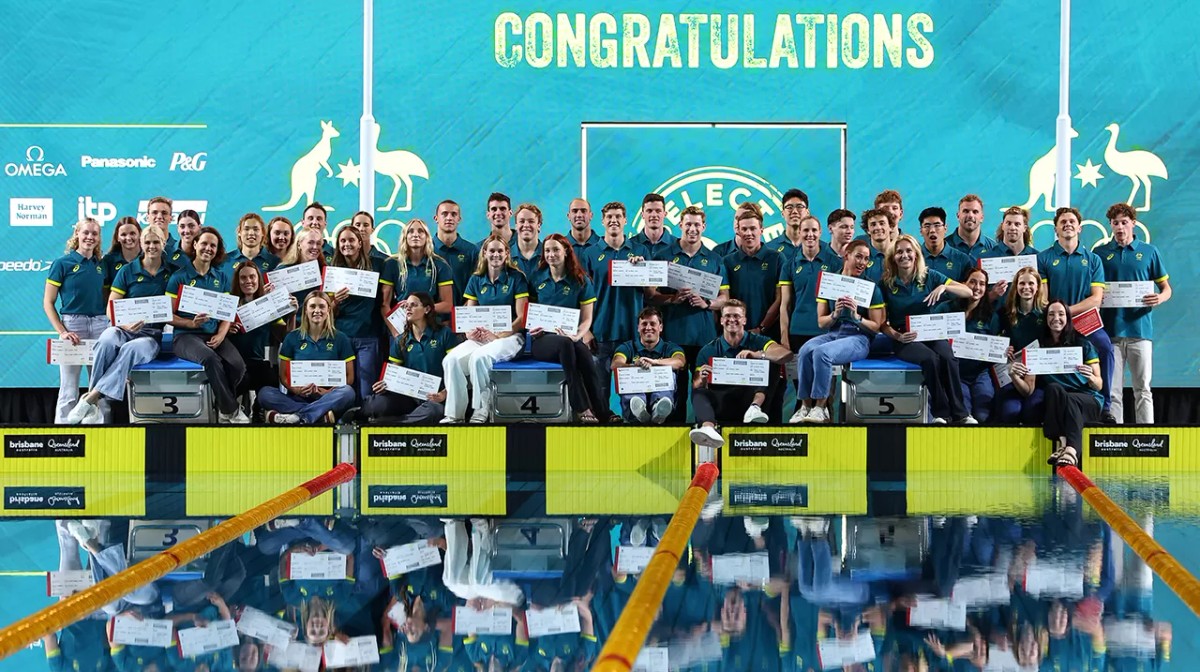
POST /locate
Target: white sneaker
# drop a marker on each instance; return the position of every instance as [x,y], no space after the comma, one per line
[637,406]
[83,408]
[818,414]
[80,531]
[660,410]
[707,437]
[449,421]
[969,420]
[755,415]
[939,421]
[799,416]
[94,417]
[637,533]
[239,417]
[276,418]
[479,416]
[755,526]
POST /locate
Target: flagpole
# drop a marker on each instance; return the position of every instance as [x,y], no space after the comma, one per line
[1062,130]
[366,124]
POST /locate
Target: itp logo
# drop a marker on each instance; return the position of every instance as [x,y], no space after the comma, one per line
[100,211]
[719,190]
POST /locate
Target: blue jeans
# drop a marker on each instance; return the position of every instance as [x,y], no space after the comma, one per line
[814,365]
[338,400]
[117,352]
[978,393]
[651,399]
[366,365]
[1104,348]
[1015,407]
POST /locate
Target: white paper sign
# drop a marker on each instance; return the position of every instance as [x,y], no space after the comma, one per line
[213,637]
[1006,267]
[261,626]
[217,305]
[1127,294]
[636,380]
[980,347]
[553,621]
[938,613]
[744,372]
[69,582]
[551,318]
[398,318]
[148,309]
[833,286]
[1041,361]
[325,566]
[707,285]
[1003,660]
[410,382]
[407,558]
[492,318]
[494,621]
[146,632]
[296,278]
[835,653]
[322,373]
[397,615]
[358,651]
[296,656]
[1129,637]
[652,659]
[265,309]
[731,568]
[633,559]
[61,353]
[622,273]
[988,589]
[359,282]
[937,326]
[1050,579]
[1001,376]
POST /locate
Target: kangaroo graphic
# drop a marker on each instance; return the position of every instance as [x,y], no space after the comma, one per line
[1041,179]
[306,169]
[401,166]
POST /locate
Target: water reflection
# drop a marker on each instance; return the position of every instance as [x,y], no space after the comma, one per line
[1050,590]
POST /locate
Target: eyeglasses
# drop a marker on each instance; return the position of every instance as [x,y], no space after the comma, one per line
[795,207]
[933,225]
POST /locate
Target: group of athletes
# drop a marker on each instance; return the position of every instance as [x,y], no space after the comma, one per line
[766,308]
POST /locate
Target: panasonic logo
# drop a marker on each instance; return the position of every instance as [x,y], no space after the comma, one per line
[144,161]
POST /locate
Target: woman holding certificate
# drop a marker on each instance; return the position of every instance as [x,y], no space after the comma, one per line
[423,347]
[981,318]
[909,290]
[561,281]
[1022,319]
[849,330]
[308,246]
[250,285]
[124,346]
[188,226]
[126,246]
[316,340]
[496,282]
[415,268]
[355,315]
[1072,399]
[76,283]
[199,336]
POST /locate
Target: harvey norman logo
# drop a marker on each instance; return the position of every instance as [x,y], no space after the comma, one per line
[768,445]
[44,445]
[1130,445]
[31,212]
[407,445]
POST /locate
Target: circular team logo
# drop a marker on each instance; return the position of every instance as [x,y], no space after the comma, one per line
[719,190]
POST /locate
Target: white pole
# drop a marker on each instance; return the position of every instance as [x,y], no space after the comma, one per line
[1062,130]
[366,124]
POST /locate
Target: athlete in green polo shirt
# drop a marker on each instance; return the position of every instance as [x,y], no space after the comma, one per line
[251,236]
[753,272]
[654,235]
[526,246]
[646,350]
[1125,259]
[798,285]
[315,340]
[879,225]
[968,238]
[938,255]
[460,254]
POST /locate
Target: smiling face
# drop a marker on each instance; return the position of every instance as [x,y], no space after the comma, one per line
[653,214]
[529,226]
[906,257]
[841,232]
[810,233]
[152,248]
[130,237]
[650,329]
[692,228]
[349,243]
[251,233]
[1056,318]
[311,243]
[1027,286]
[749,233]
[317,628]
[316,309]
[206,247]
[614,222]
[314,218]
[281,235]
[1066,227]
[159,214]
[856,261]
[496,254]
[188,228]
[879,230]
[970,216]
[88,236]
[554,253]
[977,283]
[499,214]
[733,321]
[794,211]
[247,279]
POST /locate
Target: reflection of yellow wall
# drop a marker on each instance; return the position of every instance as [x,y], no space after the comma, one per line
[1184,452]
[232,469]
[1011,494]
[842,492]
[616,470]
[977,449]
[112,471]
[473,471]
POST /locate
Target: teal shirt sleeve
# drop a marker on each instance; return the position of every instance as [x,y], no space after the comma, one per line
[587,293]
[706,354]
[396,355]
[391,272]
[625,350]
[343,349]
[173,284]
[287,350]
[58,272]
[445,276]
[1090,355]
[472,289]
[1097,268]
[120,282]
[1158,273]
[877,298]
[447,340]
[520,284]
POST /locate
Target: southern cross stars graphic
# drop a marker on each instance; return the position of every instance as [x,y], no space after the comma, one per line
[349,173]
[1089,174]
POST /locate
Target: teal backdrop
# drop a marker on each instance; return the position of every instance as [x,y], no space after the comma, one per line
[234,107]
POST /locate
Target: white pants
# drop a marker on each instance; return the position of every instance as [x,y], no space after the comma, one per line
[86,327]
[1138,353]
[472,360]
[468,572]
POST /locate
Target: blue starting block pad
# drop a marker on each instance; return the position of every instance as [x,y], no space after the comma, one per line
[169,390]
[885,390]
[528,390]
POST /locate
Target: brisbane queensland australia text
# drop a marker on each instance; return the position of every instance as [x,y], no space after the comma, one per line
[750,41]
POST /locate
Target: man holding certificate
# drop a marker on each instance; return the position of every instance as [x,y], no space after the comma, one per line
[1135,269]
[402,396]
[909,289]
[199,336]
[645,397]
[746,389]
[1072,399]
[126,345]
[316,340]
